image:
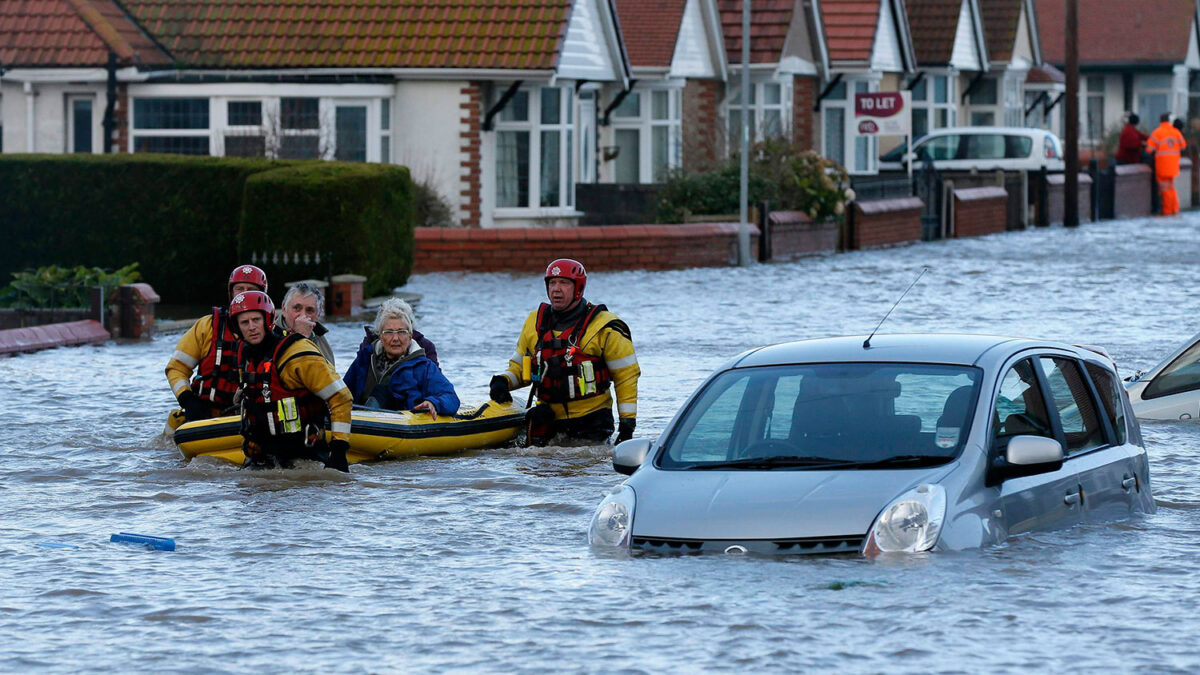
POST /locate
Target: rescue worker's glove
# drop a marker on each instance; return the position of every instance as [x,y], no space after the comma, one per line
[193,408]
[337,456]
[625,429]
[499,387]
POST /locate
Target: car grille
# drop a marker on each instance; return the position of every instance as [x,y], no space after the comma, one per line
[800,546]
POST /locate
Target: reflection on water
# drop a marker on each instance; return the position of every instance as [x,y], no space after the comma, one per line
[479,561]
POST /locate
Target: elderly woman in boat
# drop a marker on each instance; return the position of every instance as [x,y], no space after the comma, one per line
[393,372]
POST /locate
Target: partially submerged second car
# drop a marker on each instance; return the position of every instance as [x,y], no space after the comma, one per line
[902,443]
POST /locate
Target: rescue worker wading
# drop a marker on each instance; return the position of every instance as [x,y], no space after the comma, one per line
[210,347]
[288,392]
[573,352]
[1166,143]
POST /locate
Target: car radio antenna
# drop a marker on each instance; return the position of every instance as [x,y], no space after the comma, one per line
[867,342]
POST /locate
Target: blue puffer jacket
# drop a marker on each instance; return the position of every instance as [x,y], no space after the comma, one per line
[413,381]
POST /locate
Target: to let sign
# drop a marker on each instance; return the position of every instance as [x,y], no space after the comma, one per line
[887,113]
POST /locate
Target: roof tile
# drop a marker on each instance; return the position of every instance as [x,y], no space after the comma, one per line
[78,33]
[769,22]
[934,25]
[1109,33]
[850,28]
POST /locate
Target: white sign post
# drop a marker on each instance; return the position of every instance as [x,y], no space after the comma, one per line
[885,113]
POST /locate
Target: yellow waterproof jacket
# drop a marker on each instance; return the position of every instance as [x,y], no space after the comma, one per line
[305,368]
[599,339]
[189,352]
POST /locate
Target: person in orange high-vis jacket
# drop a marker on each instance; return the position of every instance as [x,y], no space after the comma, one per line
[1166,143]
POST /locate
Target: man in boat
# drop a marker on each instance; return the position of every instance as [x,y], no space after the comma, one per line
[210,347]
[573,353]
[288,390]
[302,310]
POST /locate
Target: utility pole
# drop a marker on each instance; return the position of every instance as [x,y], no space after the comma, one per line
[744,192]
[1071,179]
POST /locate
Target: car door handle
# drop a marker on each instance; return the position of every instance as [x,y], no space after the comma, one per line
[1129,482]
[1073,498]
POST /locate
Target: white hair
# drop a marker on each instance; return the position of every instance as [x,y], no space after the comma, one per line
[304,290]
[394,308]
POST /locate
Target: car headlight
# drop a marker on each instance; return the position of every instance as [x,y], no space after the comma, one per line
[613,519]
[911,523]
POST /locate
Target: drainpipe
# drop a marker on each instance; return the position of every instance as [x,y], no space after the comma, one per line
[110,105]
[30,120]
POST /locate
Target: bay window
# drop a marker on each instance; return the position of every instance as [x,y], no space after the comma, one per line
[534,141]
[770,108]
[647,135]
[839,142]
[933,104]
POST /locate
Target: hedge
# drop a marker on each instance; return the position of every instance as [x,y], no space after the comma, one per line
[361,213]
[179,217]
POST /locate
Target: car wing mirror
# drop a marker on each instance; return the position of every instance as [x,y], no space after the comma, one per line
[1027,456]
[628,456]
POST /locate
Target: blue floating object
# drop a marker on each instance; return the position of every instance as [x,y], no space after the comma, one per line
[55,544]
[152,543]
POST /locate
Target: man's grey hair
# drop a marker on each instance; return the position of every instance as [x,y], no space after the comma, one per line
[304,290]
[394,308]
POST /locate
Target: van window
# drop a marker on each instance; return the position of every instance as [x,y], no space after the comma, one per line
[939,148]
[985,146]
[1017,147]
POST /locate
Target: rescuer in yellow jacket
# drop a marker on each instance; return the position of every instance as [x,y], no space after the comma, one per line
[290,393]
[573,353]
[1167,144]
[210,347]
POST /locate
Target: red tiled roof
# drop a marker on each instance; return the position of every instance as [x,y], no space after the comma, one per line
[1113,32]
[71,33]
[934,25]
[769,22]
[1045,74]
[1000,21]
[850,28]
[518,34]
[650,29]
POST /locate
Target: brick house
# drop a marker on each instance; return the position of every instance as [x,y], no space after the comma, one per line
[997,96]
[1142,60]
[950,52]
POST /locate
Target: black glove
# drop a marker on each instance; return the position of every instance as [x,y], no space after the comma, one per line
[194,408]
[625,429]
[337,456]
[499,387]
[369,338]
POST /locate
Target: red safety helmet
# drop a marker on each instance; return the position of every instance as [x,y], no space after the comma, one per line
[251,301]
[248,274]
[565,268]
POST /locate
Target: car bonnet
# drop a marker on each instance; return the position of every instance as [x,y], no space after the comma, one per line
[779,504]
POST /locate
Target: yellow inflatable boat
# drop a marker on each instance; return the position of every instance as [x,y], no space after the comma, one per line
[374,434]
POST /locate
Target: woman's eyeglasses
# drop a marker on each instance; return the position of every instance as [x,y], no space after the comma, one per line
[397,331]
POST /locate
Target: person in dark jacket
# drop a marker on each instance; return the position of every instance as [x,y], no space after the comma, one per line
[1129,147]
[394,373]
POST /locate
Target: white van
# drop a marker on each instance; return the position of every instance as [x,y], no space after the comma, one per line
[982,149]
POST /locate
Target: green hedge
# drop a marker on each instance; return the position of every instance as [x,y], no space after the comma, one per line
[179,217]
[362,213]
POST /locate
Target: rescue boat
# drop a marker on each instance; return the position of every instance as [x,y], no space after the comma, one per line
[375,434]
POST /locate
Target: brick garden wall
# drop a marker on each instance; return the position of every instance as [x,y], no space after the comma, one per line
[979,211]
[1055,191]
[1132,191]
[794,234]
[608,247]
[887,222]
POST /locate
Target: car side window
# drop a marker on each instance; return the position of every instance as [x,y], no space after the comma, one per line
[1076,409]
[1017,147]
[1020,409]
[1183,374]
[985,146]
[1110,397]
[939,148]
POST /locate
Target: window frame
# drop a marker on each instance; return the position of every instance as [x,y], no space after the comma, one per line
[850,150]
[535,128]
[1105,430]
[645,123]
[930,104]
[96,135]
[758,106]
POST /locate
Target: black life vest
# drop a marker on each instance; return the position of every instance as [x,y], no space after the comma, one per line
[217,375]
[273,415]
[560,373]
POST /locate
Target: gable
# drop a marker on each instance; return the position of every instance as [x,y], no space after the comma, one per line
[1193,51]
[697,54]
[586,53]
[886,56]
[1022,52]
[965,55]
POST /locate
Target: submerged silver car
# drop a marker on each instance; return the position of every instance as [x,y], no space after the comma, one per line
[906,443]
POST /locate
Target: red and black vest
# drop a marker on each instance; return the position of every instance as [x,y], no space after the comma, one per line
[564,372]
[216,378]
[272,414]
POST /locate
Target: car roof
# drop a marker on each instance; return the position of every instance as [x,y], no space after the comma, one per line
[945,131]
[904,348]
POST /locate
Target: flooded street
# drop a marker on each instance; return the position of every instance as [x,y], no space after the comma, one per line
[479,562]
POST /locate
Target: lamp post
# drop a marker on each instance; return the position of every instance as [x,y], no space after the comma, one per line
[744,191]
[1071,179]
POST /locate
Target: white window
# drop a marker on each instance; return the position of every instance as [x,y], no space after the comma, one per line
[1093,130]
[81,124]
[646,135]
[1013,96]
[770,105]
[859,154]
[245,129]
[534,137]
[171,125]
[385,131]
[983,102]
[1153,96]
[933,106]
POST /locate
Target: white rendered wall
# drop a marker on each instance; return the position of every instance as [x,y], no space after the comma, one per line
[427,121]
[50,115]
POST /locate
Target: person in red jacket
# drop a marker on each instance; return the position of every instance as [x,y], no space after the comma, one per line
[1129,147]
[1167,144]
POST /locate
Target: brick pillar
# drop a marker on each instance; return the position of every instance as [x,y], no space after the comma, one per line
[121,119]
[701,124]
[804,96]
[470,209]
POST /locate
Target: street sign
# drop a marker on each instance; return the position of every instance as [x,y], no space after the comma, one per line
[886,113]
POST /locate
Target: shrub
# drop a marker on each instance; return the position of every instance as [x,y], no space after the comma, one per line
[361,213]
[431,209]
[60,287]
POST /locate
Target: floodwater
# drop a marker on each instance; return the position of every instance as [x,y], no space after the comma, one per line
[479,562]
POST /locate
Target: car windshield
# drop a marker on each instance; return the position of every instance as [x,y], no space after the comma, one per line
[826,416]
